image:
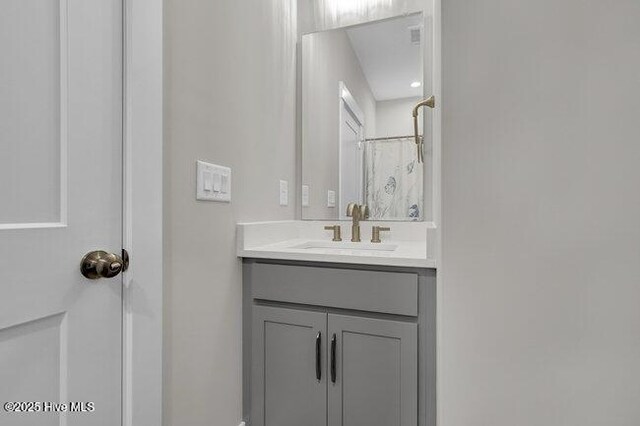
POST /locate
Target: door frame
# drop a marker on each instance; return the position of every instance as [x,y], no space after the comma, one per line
[347,101]
[142,212]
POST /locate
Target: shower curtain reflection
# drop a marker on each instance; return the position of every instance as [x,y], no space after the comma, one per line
[393,180]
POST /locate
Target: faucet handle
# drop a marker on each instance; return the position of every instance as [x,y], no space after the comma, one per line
[336,232]
[364,211]
[375,233]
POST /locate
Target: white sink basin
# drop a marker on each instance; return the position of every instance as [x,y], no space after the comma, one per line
[344,245]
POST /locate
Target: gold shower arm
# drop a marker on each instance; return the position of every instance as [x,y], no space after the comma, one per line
[431,103]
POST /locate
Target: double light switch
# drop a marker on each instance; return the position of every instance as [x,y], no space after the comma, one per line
[213,182]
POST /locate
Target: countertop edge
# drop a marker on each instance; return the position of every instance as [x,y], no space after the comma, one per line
[324,258]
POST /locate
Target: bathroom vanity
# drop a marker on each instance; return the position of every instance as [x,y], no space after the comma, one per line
[336,343]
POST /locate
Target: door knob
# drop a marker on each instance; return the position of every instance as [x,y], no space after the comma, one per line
[100,264]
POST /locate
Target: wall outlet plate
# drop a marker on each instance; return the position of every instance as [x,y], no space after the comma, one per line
[213,182]
[305,195]
[284,193]
[331,198]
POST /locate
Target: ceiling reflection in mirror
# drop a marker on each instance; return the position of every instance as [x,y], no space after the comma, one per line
[359,87]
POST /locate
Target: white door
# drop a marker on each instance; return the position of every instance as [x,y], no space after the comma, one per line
[351,173]
[60,197]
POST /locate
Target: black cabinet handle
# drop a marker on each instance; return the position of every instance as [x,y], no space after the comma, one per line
[319,356]
[333,358]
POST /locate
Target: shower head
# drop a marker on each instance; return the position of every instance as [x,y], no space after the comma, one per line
[431,103]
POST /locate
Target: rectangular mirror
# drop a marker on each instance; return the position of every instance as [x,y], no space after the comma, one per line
[359,87]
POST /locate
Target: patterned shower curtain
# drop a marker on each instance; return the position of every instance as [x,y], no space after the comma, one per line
[393,180]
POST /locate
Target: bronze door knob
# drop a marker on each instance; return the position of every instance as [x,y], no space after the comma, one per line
[101,264]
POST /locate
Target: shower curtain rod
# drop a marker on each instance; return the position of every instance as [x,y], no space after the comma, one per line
[390,138]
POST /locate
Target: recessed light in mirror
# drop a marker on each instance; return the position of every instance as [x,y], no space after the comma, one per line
[416,84]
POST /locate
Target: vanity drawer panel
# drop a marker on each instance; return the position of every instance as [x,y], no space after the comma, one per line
[374,291]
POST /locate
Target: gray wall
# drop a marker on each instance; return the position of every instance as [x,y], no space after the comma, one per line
[327,59]
[541,208]
[393,117]
[230,83]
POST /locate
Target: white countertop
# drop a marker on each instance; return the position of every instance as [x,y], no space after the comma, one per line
[283,241]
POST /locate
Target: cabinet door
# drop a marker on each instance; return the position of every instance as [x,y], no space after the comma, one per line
[374,372]
[289,367]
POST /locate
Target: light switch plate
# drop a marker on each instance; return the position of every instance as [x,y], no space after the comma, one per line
[284,193]
[208,180]
[305,195]
[213,182]
[331,198]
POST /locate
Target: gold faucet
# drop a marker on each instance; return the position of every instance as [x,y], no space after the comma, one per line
[357,212]
[431,103]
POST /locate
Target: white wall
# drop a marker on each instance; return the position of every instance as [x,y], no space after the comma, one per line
[230,99]
[393,117]
[327,59]
[541,209]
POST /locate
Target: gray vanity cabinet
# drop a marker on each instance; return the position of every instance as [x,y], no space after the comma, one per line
[290,377]
[369,365]
[376,372]
[338,345]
